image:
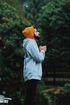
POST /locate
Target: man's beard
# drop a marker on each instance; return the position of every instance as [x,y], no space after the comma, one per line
[37,37]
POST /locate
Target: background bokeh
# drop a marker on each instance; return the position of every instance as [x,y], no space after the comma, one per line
[52,19]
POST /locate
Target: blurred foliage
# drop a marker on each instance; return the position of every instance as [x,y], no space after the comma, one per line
[11,51]
[56,95]
[54,20]
[16,4]
[31,9]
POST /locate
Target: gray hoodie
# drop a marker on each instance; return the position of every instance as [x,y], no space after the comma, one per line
[32,60]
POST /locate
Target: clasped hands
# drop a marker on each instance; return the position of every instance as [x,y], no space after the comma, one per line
[43,48]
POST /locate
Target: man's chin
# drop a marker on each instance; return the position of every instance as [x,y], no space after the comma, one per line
[37,37]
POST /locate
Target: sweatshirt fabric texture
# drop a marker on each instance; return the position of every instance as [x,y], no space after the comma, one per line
[33,58]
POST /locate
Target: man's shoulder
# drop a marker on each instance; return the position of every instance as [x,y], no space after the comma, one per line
[29,42]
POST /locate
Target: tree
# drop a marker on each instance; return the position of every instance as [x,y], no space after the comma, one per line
[16,4]
[54,20]
[11,52]
[31,9]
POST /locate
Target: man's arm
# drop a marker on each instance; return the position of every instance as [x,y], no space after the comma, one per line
[35,53]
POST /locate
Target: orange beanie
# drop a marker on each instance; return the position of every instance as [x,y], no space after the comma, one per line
[29,32]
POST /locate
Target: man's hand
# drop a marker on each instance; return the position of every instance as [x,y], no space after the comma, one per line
[43,48]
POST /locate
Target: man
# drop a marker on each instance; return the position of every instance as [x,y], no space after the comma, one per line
[33,57]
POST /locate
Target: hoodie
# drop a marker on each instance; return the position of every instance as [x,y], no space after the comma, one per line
[33,59]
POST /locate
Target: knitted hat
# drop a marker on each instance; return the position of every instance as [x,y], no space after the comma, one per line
[29,32]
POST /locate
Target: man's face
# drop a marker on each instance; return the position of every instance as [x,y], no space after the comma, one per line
[36,35]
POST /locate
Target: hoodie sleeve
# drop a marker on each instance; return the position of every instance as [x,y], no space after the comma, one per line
[33,50]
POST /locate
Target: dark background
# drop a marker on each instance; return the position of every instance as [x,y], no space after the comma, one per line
[52,19]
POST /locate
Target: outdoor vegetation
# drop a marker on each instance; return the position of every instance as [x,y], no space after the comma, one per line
[52,18]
